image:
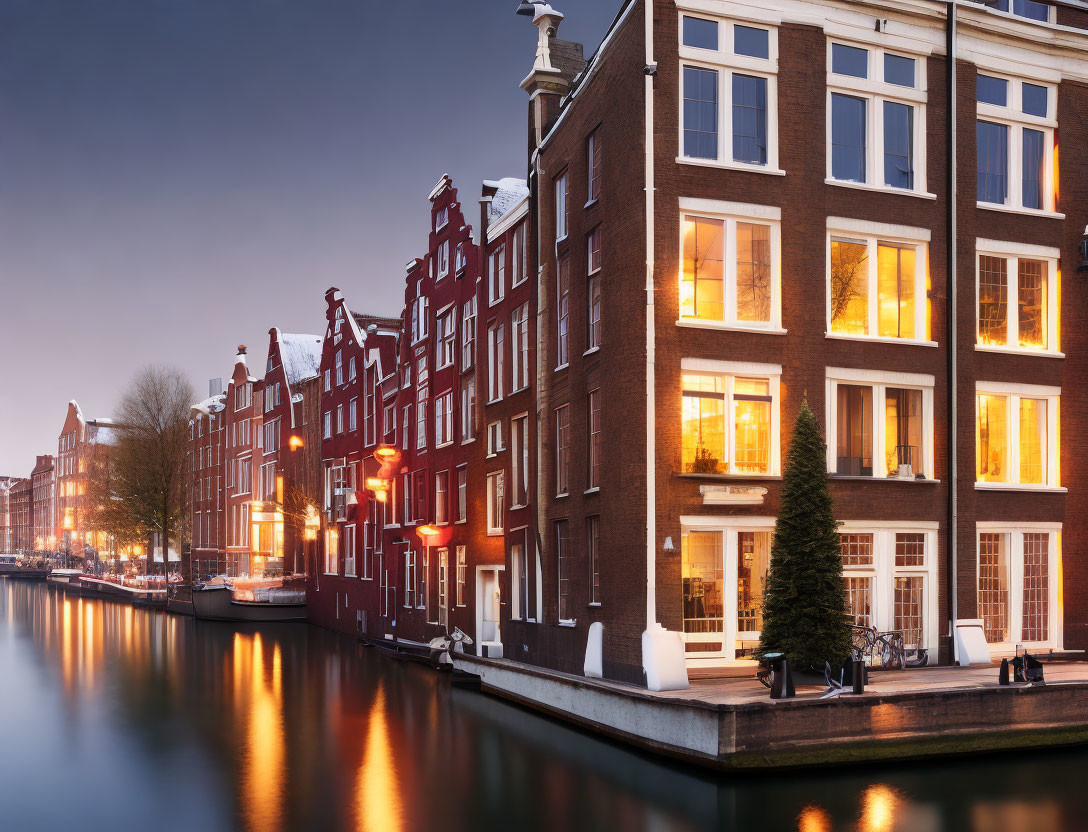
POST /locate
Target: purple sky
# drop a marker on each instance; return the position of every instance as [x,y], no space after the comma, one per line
[177,176]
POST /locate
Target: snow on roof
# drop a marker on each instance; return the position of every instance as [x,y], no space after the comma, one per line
[301,356]
[79,413]
[215,404]
[103,434]
[509,192]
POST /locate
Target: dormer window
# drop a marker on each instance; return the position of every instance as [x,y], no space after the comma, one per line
[441,218]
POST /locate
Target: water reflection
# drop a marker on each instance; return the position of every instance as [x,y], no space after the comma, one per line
[145,721]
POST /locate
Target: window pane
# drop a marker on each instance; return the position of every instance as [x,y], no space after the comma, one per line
[1035,625]
[753,436]
[992,300]
[753,272]
[703,442]
[700,113]
[1033,452]
[903,431]
[702,34]
[1031,302]
[701,573]
[898,145]
[993,587]
[855,431]
[1034,99]
[859,600]
[908,610]
[849,287]
[750,41]
[910,549]
[857,549]
[895,277]
[749,119]
[753,562]
[990,90]
[1031,10]
[993,162]
[847,138]
[849,60]
[1033,168]
[899,70]
[991,439]
[701,293]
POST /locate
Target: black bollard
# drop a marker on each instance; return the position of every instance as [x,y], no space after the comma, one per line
[1003,673]
[782,684]
[857,675]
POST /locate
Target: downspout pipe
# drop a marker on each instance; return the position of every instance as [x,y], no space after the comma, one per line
[651,409]
[952,284]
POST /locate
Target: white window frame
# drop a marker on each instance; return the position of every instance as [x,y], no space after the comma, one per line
[875,93]
[496,275]
[441,218]
[442,498]
[871,234]
[725,62]
[447,336]
[496,500]
[468,333]
[494,438]
[349,551]
[562,196]
[730,213]
[729,372]
[519,348]
[1013,393]
[496,360]
[519,460]
[1013,116]
[443,419]
[1011,253]
[1014,545]
[519,248]
[443,259]
[879,381]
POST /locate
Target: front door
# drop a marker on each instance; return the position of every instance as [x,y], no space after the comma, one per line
[488,606]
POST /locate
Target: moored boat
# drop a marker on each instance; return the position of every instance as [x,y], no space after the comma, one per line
[135,592]
[65,580]
[224,599]
[23,572]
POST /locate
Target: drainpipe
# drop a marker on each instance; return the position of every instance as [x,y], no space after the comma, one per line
[651,414]
[543,377]
[952,283]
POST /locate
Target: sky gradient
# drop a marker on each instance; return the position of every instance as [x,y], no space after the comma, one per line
[178,176]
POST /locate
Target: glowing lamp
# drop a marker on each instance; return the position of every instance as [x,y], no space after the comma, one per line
[295,442]
[375,483]
[386,452]
[426,532]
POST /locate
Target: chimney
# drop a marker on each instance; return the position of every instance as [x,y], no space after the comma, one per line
[215,387]
[555,66]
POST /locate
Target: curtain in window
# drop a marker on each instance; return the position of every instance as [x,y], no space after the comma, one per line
[993,162]
[855,430]
[1033,168]
[847,138]
[898,145]
[750,119]
[700,113]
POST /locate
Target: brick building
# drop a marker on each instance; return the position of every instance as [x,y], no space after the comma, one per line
[82,444]
[207,465]
[21,516]
[44,485]
[243,445]
[6,538]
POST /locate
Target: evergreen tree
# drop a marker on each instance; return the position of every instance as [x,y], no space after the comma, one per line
[804,602]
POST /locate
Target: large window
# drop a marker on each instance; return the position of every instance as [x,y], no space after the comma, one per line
[519,460]
[593,551]
[877,285]
[443,419]
[730,266]
[593,407]
[562,314]
[1017,297]
[519,352]
[447,334]
[1016,435]
[593,166]
[520,254]
[497,275]
[496,358]
[562,450]
[1015,142]
[561,208]
[593,290]
[468,408]
[1031,9]
[880,424]
[729,94]
[495,502]
[729,418]
[349,551]
[876,128]
[564,557]
[468,334]
[442,497]
[1018,583]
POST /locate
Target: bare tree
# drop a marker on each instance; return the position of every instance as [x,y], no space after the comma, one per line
[149,460]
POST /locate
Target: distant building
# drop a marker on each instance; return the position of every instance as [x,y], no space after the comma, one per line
[45,521]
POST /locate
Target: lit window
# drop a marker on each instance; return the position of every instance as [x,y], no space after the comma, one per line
[729,93]
[880,424]
[1033,322]
[730,271]
[1016,435]
[889,108]
[1017,578]
[877,288]
[1015,142]
[730,422]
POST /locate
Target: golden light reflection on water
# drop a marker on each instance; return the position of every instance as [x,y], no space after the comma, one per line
[377,792]
[258,700]
[813,819]
[880,805]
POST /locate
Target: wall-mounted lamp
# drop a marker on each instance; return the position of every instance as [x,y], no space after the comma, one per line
[668,545]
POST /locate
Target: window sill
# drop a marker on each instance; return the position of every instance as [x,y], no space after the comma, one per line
[591,350]
[495,302]
[571,624]
[594,604]
[1015,351]
[494,401]
[693,476]
[877,339]
[460,523]
[1010,209]
[560,496]
[443,445]
[738,166]
[468,441]
[591,203]
[521,389]
[880,189]
[562,366]
[493,533]
[724,327]
[851,478]
[594,490]
[1012,486]
[521,282]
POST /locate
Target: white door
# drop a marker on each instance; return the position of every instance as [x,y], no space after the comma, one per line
[488,606]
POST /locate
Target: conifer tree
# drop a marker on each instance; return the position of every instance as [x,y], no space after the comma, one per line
[804,603]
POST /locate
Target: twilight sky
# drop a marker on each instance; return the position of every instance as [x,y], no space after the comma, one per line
[177,176]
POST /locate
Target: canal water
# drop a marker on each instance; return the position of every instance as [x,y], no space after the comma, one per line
[116,718]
